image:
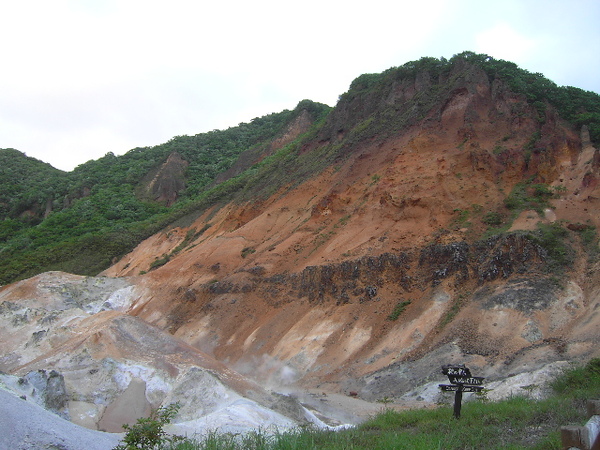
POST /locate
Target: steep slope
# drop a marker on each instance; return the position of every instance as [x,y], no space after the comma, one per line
[440,213]
[307,280]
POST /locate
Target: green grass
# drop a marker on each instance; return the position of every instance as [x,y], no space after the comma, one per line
[398,310]
[516,423]
[455,308]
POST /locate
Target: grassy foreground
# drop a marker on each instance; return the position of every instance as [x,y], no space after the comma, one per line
[516,423]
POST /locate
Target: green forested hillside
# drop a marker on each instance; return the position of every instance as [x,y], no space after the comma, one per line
[79,221]
[25,181]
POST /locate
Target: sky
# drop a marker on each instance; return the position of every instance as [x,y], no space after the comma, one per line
[81,78]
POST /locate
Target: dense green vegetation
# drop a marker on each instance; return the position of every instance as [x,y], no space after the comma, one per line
[517,423]
[25,182]
[82,220]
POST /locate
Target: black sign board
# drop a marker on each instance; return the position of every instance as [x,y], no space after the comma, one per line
[475,381]
[457,387]
[458,370]
[462,381]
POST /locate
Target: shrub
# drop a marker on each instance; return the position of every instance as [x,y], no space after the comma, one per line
[398,309]
[589,238]
[552,237]
[492,218]
[160,262]
[529,196]
[148,433]
[248,251]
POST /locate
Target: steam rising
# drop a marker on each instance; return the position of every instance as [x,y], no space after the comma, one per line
[270,372]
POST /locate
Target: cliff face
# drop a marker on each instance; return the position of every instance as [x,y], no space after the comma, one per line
[165,185]
[316,278]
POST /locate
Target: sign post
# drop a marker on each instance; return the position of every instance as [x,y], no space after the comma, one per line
[462,381]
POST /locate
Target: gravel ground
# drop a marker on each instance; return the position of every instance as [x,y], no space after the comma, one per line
[25,425]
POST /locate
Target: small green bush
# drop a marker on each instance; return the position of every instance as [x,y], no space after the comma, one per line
[454,309]
[148,433]
[492,218]
[553,238]
[248,251]
[398,310]
[529,196]
[589,238]
[160,261]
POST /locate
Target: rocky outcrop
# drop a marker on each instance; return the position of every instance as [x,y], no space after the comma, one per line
[498,257]
[44,387]
[165,185]
[352,281]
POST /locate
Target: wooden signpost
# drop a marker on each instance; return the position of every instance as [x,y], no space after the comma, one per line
[462,381]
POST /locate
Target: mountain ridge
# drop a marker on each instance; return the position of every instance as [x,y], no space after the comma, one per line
[434,216]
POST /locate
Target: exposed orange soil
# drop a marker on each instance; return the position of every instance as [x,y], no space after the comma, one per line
[299,290]
[389,197]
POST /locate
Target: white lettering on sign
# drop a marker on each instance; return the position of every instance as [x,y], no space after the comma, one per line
[478,381]
[459,371]
[461,388]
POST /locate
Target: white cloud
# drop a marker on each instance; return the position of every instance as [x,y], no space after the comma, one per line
[503,42]
[84,77]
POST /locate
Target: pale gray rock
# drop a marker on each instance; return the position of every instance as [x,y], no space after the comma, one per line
[24,425]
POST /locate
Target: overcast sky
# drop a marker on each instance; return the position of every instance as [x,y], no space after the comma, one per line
[82,78]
